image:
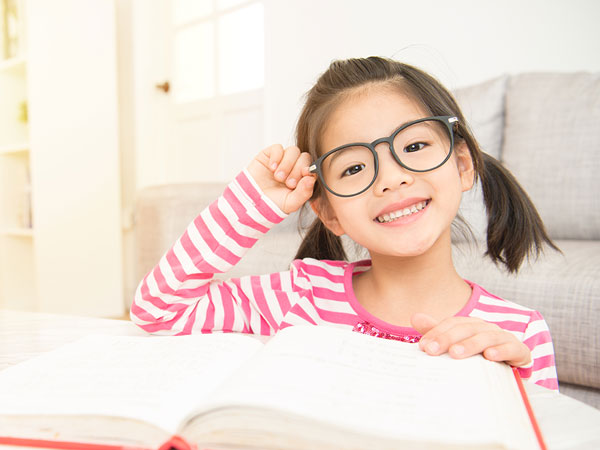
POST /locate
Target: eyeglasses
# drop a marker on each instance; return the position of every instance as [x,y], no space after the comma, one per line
[419,146]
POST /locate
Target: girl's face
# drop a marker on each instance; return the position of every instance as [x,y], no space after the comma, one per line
[432,197]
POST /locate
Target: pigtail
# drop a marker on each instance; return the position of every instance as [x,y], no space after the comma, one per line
[515,230]
[320,243]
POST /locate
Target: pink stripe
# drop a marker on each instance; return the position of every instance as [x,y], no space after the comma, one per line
[215,246]
[543,362]
[297,310]
[328,294]
[164,288]
[550,383]
[525,372]
[240,210]
[156,301]
[209,320]
[502,309]
[163,325]
[221,220]
[510,325]
[282,298]
[245,305]
[195,256]
[322,272]
[189,324]
[257,199]
[228,310]
[265,329]
[261,303]
[539,338]
[337,317]
[178,271]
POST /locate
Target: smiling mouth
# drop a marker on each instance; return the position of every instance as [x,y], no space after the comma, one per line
[405,212]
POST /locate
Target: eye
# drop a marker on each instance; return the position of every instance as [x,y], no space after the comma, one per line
[353,170]
[414,147]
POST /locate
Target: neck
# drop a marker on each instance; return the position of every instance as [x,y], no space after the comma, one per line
[397,287]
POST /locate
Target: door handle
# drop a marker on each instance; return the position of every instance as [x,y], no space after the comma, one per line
[165,87]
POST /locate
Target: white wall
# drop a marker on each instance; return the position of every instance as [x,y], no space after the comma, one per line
[460,41]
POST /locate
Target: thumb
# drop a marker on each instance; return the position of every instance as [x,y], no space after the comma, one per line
[299,195]
[422,322]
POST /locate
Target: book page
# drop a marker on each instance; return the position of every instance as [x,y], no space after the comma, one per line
[379,386]
[154,379]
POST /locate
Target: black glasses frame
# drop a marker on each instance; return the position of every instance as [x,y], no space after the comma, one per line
[448,121]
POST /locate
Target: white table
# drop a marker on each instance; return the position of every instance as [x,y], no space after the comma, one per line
[565,422]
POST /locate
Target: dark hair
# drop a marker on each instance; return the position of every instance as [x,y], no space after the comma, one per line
[515,230]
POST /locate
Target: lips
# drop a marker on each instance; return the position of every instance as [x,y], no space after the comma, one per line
[404,209]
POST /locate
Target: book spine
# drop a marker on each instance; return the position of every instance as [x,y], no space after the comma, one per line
[62,445]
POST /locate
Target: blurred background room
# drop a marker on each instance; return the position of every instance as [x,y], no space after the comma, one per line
[102,98]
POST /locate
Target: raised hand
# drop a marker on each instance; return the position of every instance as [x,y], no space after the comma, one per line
[466,336]
[283,176]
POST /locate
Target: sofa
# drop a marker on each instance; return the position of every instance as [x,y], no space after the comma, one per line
[545,127]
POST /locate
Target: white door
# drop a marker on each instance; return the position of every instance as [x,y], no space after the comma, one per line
[198,77]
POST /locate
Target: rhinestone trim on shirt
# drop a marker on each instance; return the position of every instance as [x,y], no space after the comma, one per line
[371,330]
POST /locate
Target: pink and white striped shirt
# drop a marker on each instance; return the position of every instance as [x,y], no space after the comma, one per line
[179,296]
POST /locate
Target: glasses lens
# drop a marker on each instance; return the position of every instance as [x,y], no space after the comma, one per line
[349,170]
[423,145]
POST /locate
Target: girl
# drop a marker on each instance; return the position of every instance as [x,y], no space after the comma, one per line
[383,155]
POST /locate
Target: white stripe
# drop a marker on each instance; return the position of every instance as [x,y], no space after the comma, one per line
[322,282]
[270,298]
[249,206]
[535,327]
[220,236]
[264,197]
[234,221]
[542,350]
[543,374]
[499,316]
[205,252]
[187,265]
[217,302]
[333,306]
[255,318]
[200,315]
[502,303]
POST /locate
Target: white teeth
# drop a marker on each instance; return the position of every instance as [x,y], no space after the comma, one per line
[388,217]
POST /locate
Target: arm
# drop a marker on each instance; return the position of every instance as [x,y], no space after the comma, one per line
[179,297]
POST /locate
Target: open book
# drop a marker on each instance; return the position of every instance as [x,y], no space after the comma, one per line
[307,387]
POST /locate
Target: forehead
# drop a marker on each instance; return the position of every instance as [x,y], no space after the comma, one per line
[369,114]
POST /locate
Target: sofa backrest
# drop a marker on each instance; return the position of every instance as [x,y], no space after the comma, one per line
[545,128]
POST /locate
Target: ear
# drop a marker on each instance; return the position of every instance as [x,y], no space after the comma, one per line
[465,166]
[324,213]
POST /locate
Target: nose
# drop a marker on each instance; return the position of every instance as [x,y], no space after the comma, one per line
[391,175]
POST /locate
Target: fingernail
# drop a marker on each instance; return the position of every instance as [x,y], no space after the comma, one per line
[273,166]
[423,342]
[433,346]
[280,175]
[458,349]
[291,182]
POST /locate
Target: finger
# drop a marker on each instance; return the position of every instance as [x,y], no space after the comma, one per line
[516,353]
[443,326]
[423,322]
[290,155]
[274,154]
[297,197]
[460,331]
[479,342]
[297,171]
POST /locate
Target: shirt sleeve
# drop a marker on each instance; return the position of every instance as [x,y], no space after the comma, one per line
[180,296]
[542,369]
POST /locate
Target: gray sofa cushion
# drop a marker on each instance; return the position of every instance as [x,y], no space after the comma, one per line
[552,145]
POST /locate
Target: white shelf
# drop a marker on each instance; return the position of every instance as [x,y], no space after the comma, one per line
[16,149]
[17,232]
